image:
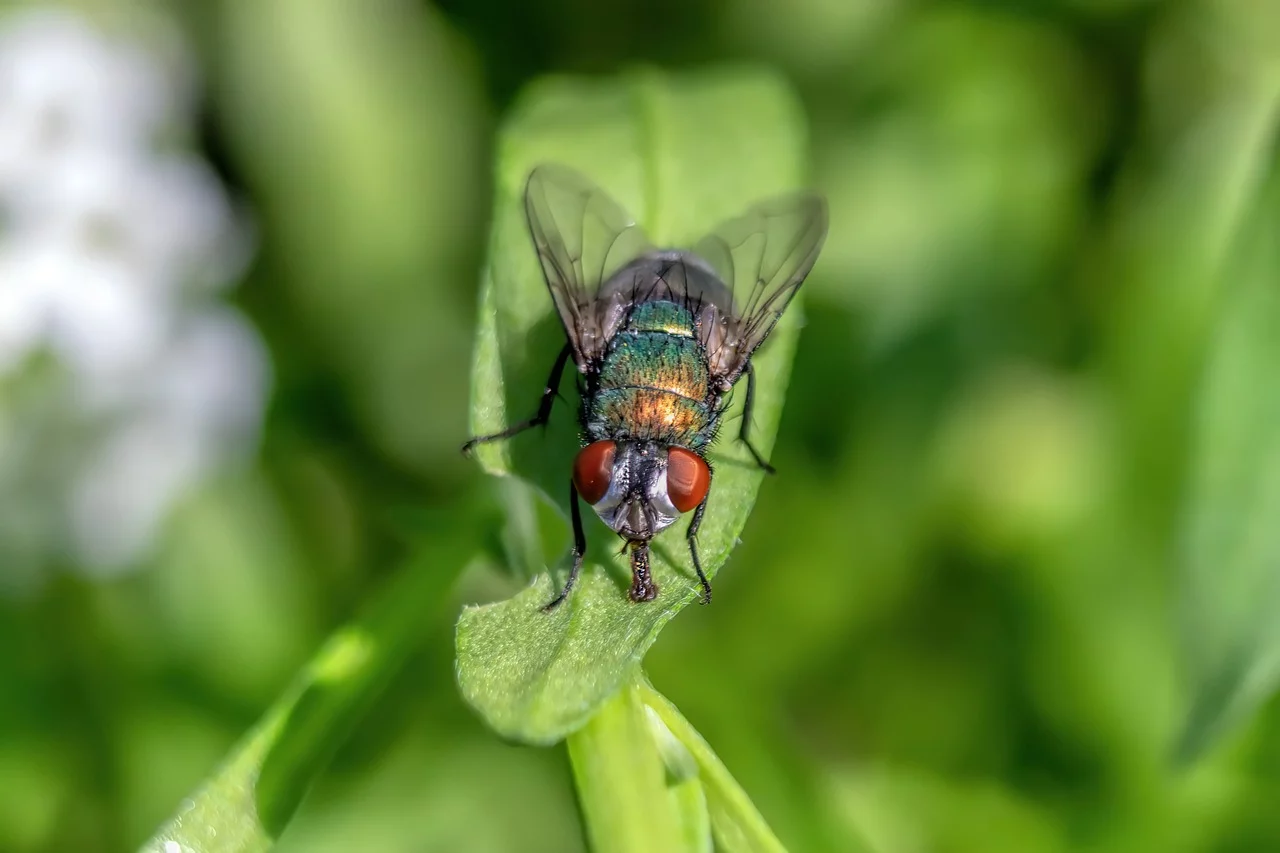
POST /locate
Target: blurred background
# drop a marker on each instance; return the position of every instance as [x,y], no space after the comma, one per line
[239,254]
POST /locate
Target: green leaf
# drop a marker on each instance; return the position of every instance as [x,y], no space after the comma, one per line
[681,153]
[248,802]
[1231,578]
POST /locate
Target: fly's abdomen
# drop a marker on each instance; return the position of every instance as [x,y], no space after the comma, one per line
[653,382]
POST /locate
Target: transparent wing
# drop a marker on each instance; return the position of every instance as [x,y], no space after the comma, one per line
[582,238]
[763,258]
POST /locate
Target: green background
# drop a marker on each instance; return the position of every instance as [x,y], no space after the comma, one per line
[978,603]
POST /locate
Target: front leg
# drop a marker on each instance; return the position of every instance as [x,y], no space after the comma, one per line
[692,535]
[579,549]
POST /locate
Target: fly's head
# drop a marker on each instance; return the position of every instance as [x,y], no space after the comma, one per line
[640,488]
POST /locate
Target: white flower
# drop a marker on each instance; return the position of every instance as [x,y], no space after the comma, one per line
[64,90]
[110,256]
[166,217]
[200,407]
[85,309]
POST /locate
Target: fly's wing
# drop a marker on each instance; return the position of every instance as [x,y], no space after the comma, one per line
[762,257]
[582,237]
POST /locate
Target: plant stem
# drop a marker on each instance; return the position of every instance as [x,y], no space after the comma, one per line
[622,782]
[734,820]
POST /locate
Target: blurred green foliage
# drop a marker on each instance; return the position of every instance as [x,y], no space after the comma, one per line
[955,622]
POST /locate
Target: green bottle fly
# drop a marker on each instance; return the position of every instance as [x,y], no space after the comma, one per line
[660,337]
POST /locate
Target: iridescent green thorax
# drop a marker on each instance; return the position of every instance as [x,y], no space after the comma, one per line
[653,383]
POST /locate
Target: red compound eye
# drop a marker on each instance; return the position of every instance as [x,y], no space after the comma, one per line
[688,478]
[593,469]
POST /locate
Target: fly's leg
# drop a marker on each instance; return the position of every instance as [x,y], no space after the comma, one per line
[692,536]
[746,429]
[544,407]
[579,548]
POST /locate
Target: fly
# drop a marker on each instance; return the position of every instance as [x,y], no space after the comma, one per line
[659,337]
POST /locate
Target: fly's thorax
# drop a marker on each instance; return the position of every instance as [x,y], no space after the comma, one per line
[657,360]
[653,382]
[645,414]
[639,488]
